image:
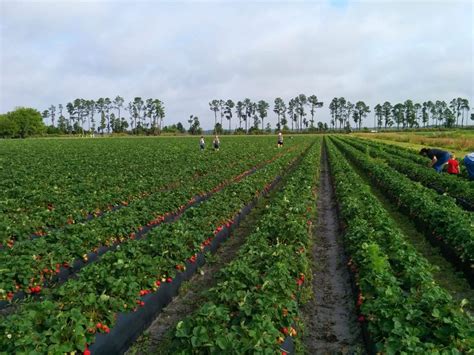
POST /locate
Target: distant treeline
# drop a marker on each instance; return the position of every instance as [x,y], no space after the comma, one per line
[145,116]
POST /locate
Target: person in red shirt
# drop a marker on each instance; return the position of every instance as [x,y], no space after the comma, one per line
[453,165]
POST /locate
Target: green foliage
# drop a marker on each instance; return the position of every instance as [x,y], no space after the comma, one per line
[8,127]
[63,320]
[258,294]
[404,309]
[218,128]
[22,122]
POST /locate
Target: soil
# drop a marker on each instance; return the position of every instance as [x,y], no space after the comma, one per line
[331,320]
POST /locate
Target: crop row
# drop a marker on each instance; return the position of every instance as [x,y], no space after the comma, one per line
[400,306]
[54,185]
[33,262]
[183,183]
[437,215]
[411,155]
[70,315]
[254,307]
[459,189]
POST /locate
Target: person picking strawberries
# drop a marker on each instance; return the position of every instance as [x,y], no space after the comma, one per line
[453,165]
[438,157]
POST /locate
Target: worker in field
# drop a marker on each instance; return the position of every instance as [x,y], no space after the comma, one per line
[280,140]
[438,157]
[217,143]
[453,165]
[202,144]
[469,164]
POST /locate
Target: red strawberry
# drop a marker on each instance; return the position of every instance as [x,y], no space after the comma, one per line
[86,351]
[169,280]
[284,330]
[157,283]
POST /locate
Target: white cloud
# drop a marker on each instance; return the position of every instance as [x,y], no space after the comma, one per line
[190,52]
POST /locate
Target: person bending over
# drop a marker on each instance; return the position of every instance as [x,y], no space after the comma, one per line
[438,157]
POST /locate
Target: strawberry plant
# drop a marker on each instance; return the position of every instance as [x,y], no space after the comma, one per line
[116,283]
[397,293]
[255,304]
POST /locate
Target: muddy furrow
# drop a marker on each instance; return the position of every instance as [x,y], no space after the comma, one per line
[331,321]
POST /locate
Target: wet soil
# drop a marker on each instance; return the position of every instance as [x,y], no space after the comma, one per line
[331,320]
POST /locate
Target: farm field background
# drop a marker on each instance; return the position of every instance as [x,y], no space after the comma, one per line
[459,142]
[97,236]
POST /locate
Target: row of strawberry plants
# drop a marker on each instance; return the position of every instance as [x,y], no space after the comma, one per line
[438,215]
[459,189]
[411,154]
[400,305]
[255,304]
[69,316]
[41,190]
[183,184]
[29,264]
[51,184]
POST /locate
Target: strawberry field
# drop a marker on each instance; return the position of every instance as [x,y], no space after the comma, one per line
[98,237]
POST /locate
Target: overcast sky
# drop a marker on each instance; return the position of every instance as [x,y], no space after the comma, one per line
[187,53]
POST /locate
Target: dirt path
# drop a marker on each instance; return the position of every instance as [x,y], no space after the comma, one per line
[331,322]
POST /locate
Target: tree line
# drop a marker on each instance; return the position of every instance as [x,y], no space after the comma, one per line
[106,115]
[429,113]
[145,116]
[254,113]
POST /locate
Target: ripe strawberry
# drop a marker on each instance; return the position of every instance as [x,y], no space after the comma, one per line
[157,283]
[169,280]
[86,351]
[284,330]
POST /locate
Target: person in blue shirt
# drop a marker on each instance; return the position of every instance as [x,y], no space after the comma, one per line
[469,164]
[438,157]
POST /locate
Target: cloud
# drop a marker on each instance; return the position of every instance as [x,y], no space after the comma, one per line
[190,52]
